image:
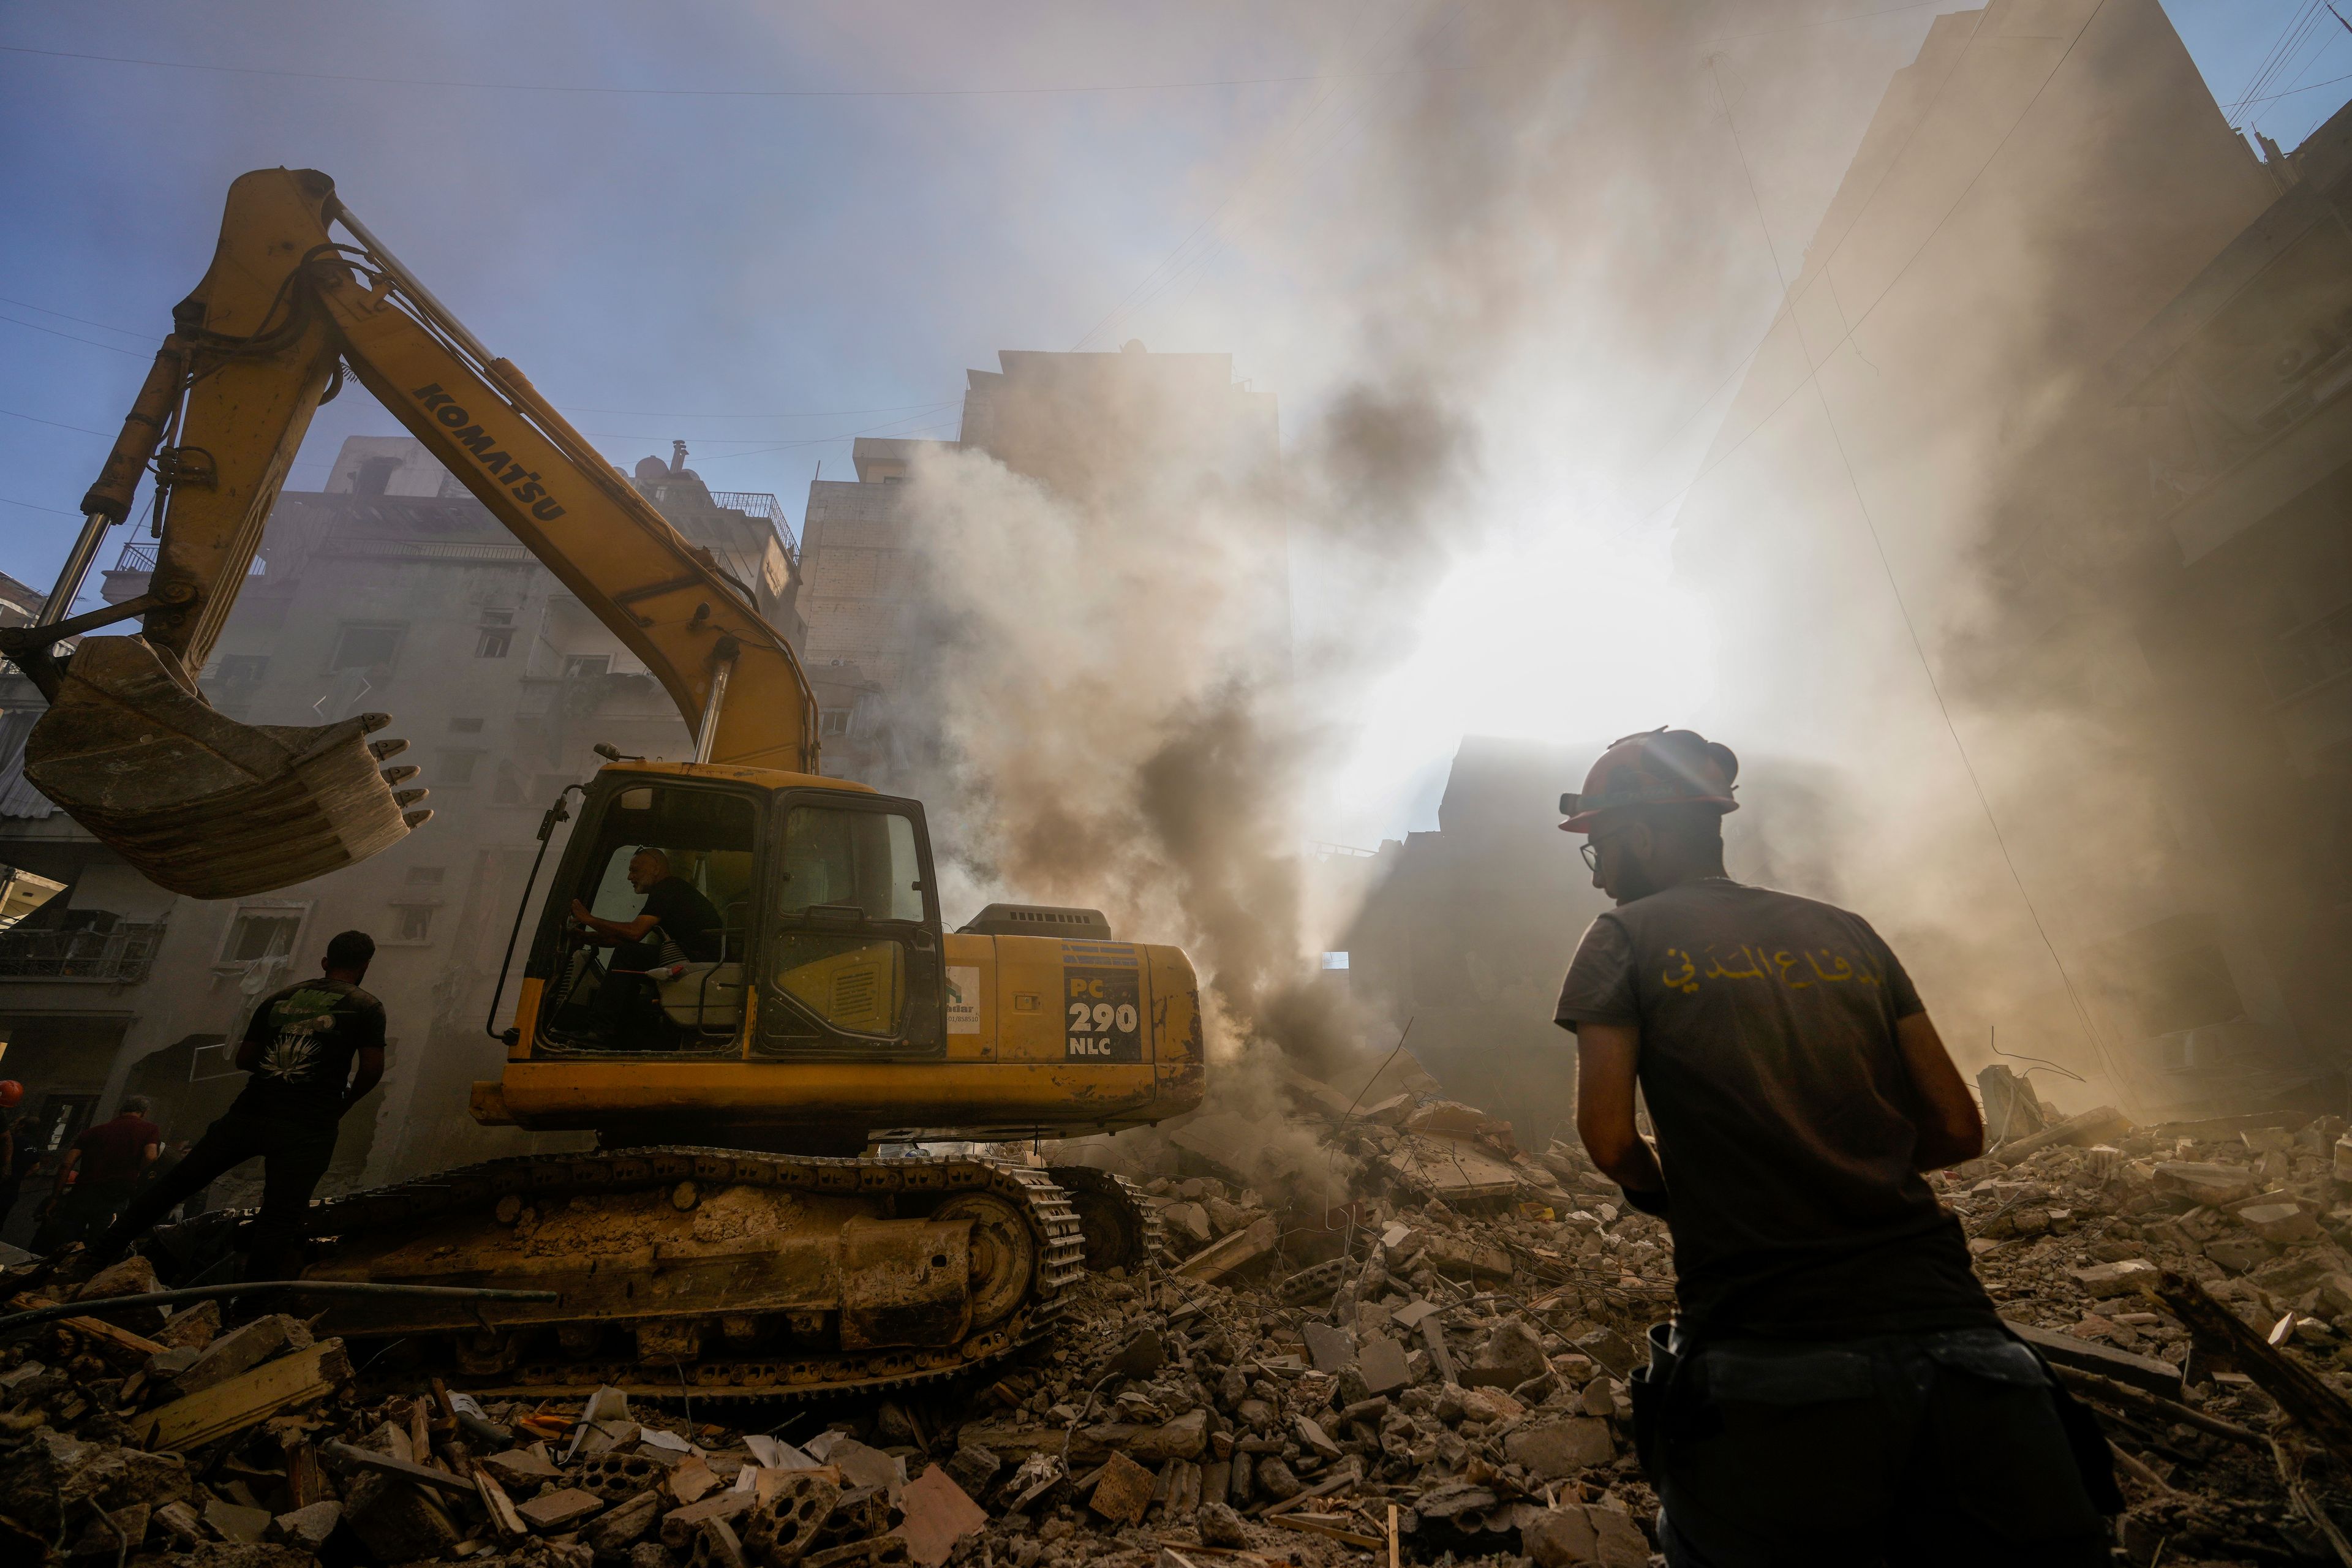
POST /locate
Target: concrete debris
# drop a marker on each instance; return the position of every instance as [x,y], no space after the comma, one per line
[1463,1361]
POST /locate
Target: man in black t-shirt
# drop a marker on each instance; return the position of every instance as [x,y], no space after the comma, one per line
[313,1050]
[1836,1388]
[675,924]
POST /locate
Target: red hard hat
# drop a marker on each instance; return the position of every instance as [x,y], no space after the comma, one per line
[12,1094]
[1658,767]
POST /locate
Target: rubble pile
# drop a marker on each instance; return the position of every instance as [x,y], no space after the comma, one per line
[1375,1329]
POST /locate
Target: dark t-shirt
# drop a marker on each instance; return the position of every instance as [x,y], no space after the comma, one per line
[112,1152]
[1783,1111]
[308,1035]
[687,918]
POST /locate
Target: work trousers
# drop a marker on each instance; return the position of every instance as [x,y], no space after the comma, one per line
[1927,1449]
[294,1152]
[85,1208]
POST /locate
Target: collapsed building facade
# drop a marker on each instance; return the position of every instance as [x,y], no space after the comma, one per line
[2049,428]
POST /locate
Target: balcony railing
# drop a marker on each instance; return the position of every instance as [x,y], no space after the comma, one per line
[116,957]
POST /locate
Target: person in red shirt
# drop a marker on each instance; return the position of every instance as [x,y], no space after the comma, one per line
[103,1167]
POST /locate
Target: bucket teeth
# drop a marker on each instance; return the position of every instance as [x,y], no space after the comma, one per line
[384,751]
[416,819]
[407,797]
[371,722]
[401,774]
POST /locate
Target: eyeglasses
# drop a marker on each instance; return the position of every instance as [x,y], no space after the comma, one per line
[1591,848]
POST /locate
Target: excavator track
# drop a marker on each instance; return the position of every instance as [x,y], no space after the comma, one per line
[1122,1227]
[504,1224]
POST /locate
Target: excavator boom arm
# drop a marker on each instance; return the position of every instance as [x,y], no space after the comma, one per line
[212,808]
[283,302]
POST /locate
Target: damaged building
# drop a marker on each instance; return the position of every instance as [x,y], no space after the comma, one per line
[391,589]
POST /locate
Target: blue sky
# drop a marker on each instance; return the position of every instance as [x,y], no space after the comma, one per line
[761,275]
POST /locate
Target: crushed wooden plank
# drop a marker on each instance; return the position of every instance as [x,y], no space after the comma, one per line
[2138,1371]
[498,1505]
[1317,1524]
[246,1399]
[2311,1403]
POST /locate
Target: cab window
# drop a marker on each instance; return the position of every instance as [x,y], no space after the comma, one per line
[653,927]
[850,863]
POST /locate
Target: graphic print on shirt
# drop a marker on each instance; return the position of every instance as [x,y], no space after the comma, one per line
[1797,971]
[294,1049]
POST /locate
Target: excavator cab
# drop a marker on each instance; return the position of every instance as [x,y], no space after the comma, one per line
[794,922]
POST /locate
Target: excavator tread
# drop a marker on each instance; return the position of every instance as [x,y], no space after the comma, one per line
[542,1177]
[1144,1241]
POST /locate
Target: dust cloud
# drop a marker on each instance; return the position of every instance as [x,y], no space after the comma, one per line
[1518,264]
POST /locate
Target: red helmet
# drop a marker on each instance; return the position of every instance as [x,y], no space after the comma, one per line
[12,1094]
[1658,767]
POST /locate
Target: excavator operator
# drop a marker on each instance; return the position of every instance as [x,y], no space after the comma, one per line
[677,925]
[1836,1389]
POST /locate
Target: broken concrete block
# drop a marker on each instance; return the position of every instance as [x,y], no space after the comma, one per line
[1124,1491]
[560,1511]
[1219,1526]
[520,1469]
[613,1475]
[1331,1349]
[307,1529]
[191,1327]
[715,1545]
[937,1515]
[395,1521]
[678,1526]
[1512,1355]
[973,1467]
[1380,1363]
[1559,1450]
[234,1521]
[1277,1479]
[2281,1224]
[2102,1281]
[1187,1220]
[1561,1538]
[2238,1253]
[623,1525]
[242,1350]
[794,1507]
[1316,1440]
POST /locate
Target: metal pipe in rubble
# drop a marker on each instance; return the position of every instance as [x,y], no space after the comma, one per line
[302,1287]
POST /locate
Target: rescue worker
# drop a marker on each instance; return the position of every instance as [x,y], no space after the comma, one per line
[314,1049]
[1835,1388]
[102,1169]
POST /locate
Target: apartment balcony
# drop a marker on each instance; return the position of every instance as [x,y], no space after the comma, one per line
[118,956]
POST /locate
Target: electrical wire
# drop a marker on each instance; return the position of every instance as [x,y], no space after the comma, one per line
[2123,1088]
[53,425]
[85,321]
[74,337]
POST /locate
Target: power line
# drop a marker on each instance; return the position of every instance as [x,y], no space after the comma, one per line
[601,89]
[72,337]
[2123,1088]
[803,413]
[35,506]
[85,321]
[31,419]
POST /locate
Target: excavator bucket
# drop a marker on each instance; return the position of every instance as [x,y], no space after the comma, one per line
[201,804]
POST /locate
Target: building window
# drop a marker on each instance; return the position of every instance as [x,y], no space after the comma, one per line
[373,476]
[365,648]
[494,642]
[416,922]
[508,791]
[455,769]
[1334,960]
[259,933]
[833,722]
[424,876]
[240,669]
[580,665]
[464,726]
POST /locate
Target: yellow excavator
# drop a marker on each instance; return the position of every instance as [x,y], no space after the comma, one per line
[729,1232]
